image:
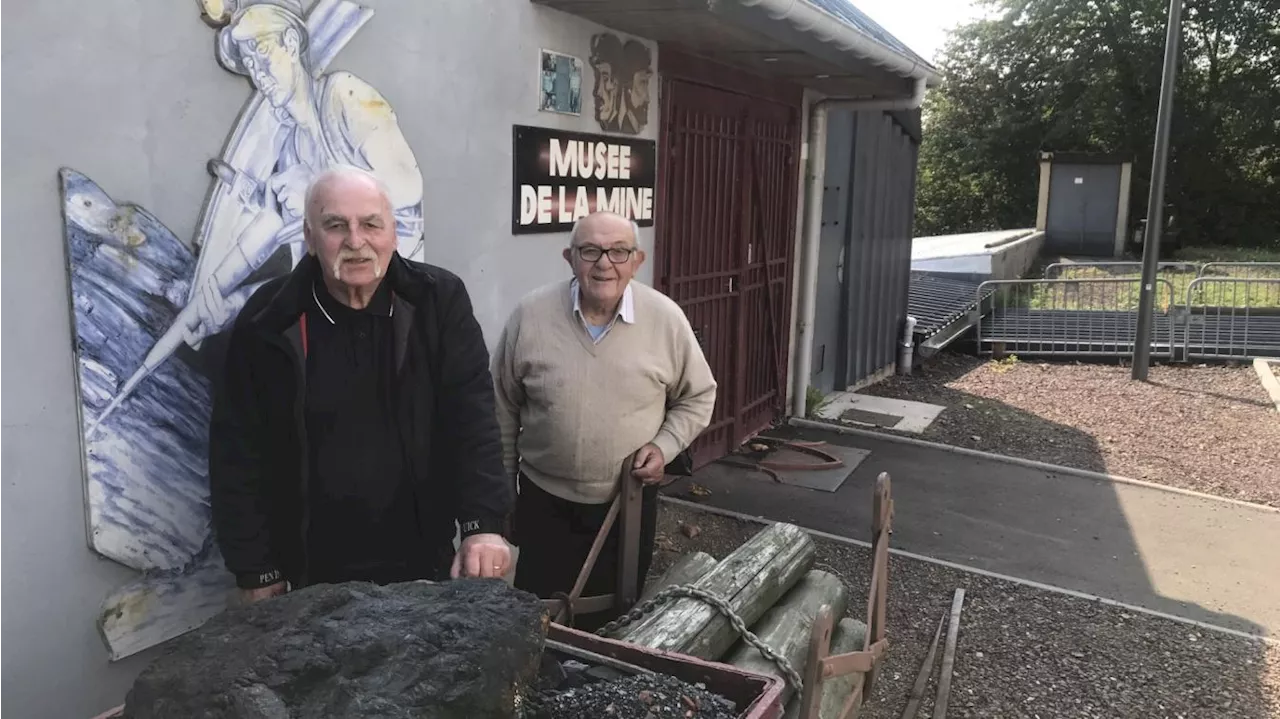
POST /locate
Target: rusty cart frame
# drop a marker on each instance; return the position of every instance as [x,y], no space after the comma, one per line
[822,666]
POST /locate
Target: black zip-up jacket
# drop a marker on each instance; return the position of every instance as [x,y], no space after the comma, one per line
[258,454]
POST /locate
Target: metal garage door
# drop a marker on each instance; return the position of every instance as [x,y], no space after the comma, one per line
[1084,200]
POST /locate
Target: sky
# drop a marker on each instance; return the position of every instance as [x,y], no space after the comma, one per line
[921,24]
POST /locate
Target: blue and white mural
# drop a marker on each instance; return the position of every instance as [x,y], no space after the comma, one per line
[149,307]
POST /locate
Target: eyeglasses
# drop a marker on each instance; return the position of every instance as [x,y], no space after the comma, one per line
[617,255]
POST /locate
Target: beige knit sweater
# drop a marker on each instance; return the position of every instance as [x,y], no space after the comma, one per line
[572,411]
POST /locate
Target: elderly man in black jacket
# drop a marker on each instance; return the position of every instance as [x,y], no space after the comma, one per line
[355,422]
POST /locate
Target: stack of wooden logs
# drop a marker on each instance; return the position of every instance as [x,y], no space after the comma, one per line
[769,582]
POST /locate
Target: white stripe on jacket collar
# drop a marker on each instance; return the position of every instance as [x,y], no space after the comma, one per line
[390,313]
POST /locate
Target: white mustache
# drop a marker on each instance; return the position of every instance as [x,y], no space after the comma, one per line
[364,253]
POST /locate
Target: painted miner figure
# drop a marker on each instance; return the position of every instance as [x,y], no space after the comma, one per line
[309,123]
[294,126]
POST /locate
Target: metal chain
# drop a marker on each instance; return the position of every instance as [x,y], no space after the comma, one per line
[689,591]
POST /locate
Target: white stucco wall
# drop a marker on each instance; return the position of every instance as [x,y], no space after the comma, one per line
[129,93]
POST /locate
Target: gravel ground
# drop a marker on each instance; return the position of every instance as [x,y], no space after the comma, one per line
[1023,652]
[1209,429]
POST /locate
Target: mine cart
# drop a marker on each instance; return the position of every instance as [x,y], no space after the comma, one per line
[835,677]
[776,646]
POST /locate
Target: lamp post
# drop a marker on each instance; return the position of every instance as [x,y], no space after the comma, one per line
[1155,198]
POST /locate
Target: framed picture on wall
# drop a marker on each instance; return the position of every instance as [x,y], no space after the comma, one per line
[559,83]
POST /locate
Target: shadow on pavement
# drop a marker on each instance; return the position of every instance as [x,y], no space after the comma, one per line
[990,425]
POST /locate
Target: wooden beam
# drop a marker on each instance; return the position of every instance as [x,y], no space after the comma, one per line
[629,540]
[948,657]
[751,579]
[787,627]
[922,677]
[878,601]
[689,568]
[819,647]
[1268,378]
[853,662]
[594,554]
[583,605]
[840,694]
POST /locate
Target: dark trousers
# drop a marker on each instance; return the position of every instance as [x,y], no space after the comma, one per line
[555,535]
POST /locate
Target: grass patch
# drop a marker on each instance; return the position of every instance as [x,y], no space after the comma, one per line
[1124,294]
[1120,294]
[1223,253]
[814,401]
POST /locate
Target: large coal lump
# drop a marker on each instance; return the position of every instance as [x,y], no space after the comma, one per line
[462,649]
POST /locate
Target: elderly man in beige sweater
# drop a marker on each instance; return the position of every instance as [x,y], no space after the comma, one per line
[587,372]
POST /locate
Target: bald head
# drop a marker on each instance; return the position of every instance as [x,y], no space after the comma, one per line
[349,226]
[603,254]
[606,222]
[342,179]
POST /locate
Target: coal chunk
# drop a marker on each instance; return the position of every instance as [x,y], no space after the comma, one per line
[642,696]
[464,649]
[551,675]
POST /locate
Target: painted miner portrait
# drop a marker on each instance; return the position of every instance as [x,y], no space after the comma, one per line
[621,92]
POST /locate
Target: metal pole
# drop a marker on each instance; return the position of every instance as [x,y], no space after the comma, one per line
[1155,199]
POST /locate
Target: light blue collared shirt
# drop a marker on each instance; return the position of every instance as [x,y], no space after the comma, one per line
[626,312]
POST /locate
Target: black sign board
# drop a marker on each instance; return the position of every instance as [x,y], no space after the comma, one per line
[561,176]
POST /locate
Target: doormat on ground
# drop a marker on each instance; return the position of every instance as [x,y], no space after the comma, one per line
[897,414]
[878,419]
[813,465]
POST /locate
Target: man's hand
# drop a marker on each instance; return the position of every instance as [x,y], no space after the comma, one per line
[290,189]
[249,596]
[212,309]
[481,555]
[649,465]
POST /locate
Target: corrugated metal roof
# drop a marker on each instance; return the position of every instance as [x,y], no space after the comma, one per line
[862,22]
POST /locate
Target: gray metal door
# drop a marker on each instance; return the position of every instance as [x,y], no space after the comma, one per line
[827,355]
[1084,201]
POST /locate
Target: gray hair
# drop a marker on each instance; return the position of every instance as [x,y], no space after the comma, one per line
[337,171]
[573,234]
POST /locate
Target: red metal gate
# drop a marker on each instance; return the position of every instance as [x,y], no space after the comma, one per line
[726,230]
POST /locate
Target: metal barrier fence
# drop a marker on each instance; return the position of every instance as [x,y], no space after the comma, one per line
[1215,310]
[1056,270]
[1123,268]
[1245,270]
[1232,317]
[1095,317]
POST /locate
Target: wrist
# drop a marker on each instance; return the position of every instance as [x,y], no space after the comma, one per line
[483,525]
[667,445]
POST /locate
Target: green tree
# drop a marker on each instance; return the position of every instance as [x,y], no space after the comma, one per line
[1084,76]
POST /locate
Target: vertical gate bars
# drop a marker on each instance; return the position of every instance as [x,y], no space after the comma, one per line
[726,224]
[1232,318]
[1246,270]
[1094,317]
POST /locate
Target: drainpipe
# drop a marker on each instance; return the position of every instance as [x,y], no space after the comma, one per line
[817,142]
[907,347]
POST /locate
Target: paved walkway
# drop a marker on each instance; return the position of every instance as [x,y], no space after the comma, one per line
[1211,561]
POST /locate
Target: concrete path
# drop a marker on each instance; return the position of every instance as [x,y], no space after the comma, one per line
[1202,559]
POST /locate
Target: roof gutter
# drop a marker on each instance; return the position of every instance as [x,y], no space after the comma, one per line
[817,143]
[809,18]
